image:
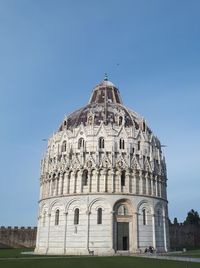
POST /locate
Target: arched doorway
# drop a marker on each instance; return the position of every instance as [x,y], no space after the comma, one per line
[122,225]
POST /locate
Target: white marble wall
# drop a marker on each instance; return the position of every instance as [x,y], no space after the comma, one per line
[62,188]
[88,236]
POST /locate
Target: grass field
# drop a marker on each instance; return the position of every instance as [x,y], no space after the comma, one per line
[13,253]
[29,261]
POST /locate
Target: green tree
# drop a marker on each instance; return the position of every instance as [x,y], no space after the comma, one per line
[175,221]
[192,217]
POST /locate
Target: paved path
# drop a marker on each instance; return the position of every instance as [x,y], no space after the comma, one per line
[172,258]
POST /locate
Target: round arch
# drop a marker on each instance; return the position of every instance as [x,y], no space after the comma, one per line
[123,224]
[55,203]
[70,203]
[126,202]
[100,199]
[144,204]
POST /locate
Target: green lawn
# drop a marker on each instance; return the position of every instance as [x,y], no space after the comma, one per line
[84,262]
[13,253]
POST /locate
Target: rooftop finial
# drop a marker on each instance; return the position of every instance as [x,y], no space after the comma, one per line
[106,77]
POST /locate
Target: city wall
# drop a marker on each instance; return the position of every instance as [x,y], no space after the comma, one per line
[184,236]
[17,237]
[181,236]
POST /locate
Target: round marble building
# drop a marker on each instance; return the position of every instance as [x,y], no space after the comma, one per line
[103,182]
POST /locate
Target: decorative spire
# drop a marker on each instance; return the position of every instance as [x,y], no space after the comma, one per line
[106,77]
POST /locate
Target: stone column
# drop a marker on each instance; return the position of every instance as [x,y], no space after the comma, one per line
[105,180]
[75,180]
[67,182]
[57,185]
[62,183]
[161,194]
[151,179]
[119,181]
[52,187]
[141,183]
[112,231]
[156,184]
[81,180]
[135,236]
[113,181]
[165,190]
[41,190]
[97,177]
[44,189]
[48,233]
[165,233]
[128,181]
[49,188]
[147,183]
[88,231]
[134,182]
[153,231]
[38,233]
[131,182]
[89,181]
[65,233]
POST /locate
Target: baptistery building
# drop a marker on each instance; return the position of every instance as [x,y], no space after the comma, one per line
[103,182]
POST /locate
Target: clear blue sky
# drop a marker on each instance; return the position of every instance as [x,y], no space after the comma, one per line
[53,52]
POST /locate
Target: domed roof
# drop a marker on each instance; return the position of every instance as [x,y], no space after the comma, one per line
[105,105]
[106,91]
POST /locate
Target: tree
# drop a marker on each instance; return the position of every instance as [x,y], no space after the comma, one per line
[175,221]
[192,218]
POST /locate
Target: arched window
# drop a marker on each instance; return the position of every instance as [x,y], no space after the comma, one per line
[90,120]
[64,146]
[76,216]
[120,120]
[138,145]
[81,143]
[123,178]
[85,177]
[101,143]
[122,210]
[144,217]
[144,126]
[57,217]
[121,143]
[99,216]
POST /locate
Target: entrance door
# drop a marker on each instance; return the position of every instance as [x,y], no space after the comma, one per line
[125,243]
[122,236]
